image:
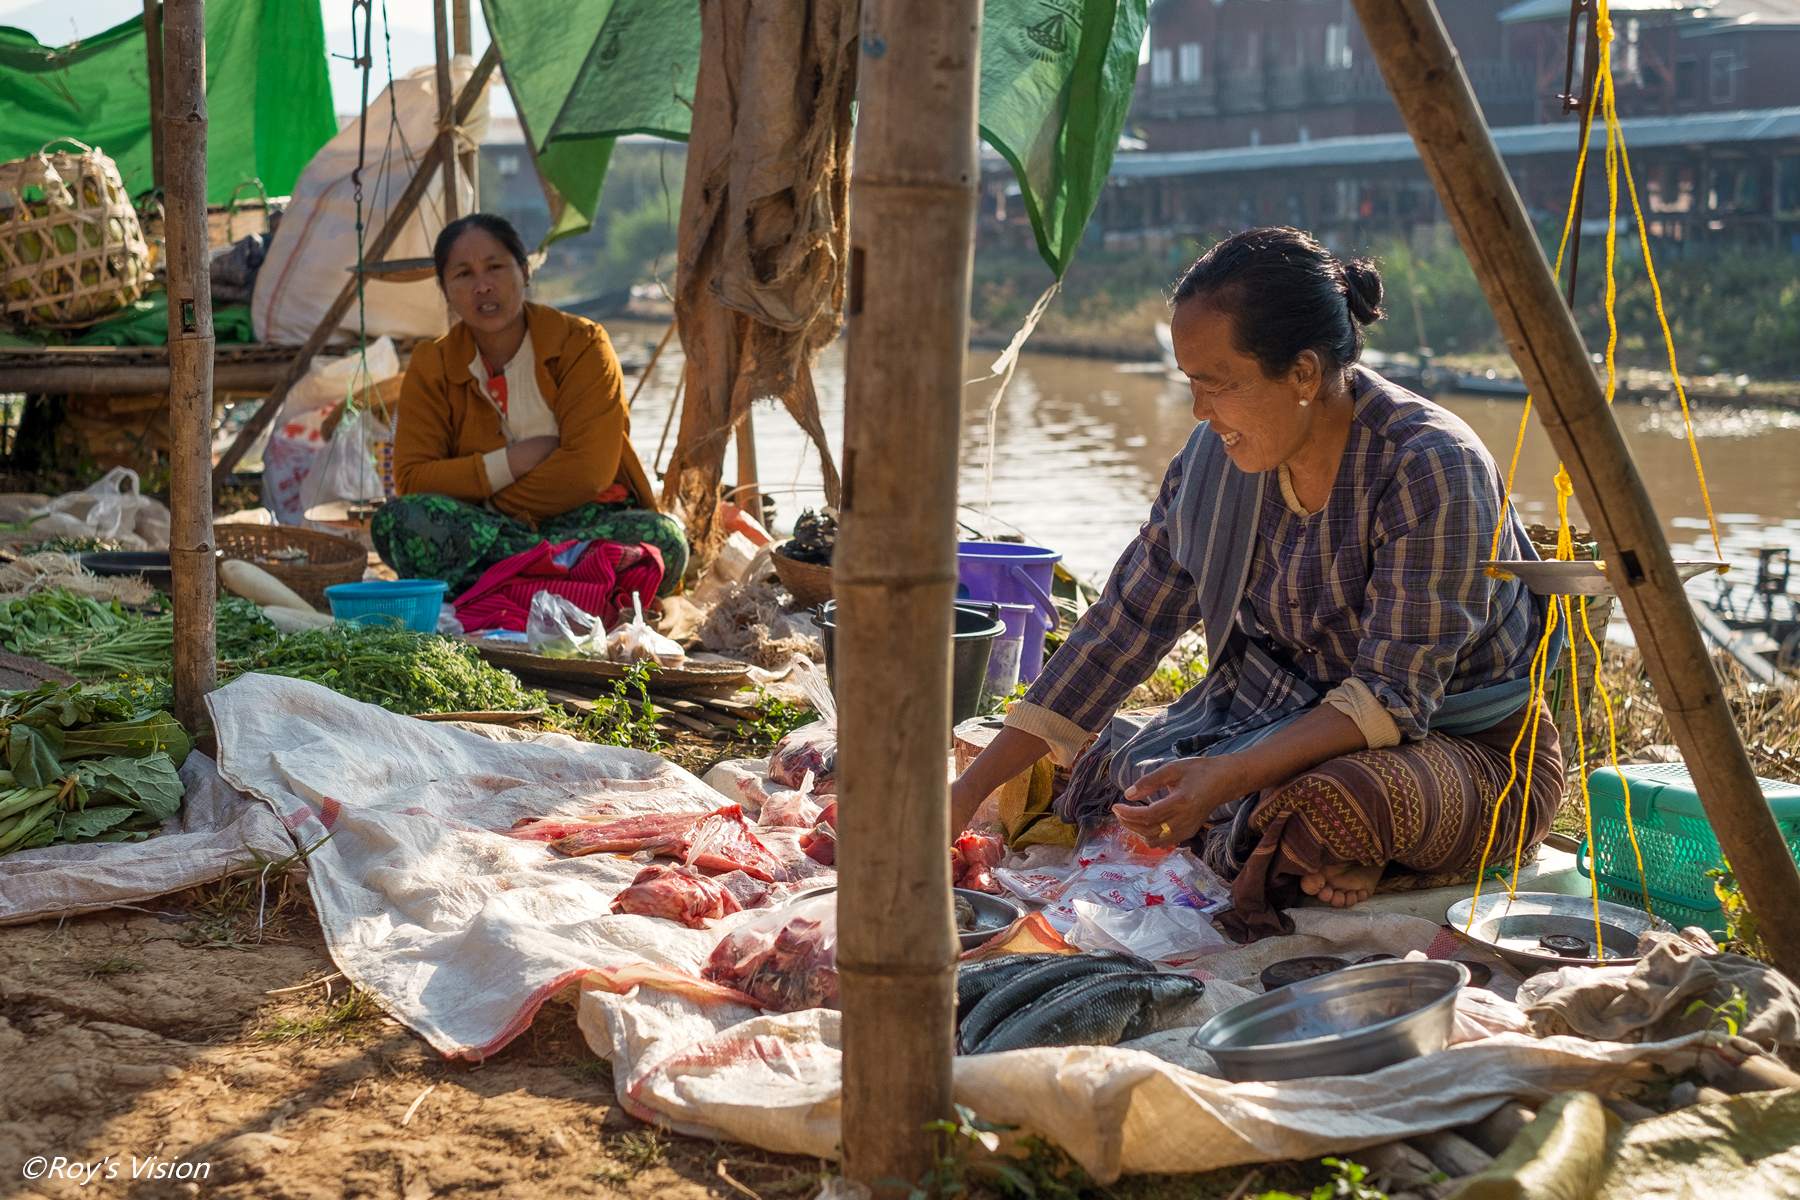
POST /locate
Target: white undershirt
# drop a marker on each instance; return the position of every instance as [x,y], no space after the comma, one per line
[527,413]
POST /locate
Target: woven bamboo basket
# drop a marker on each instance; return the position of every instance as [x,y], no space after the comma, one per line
[329,560]
[810,583]
[71,248]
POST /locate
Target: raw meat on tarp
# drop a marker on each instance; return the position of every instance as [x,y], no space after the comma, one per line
[789,808]
[723,842]
[808,748]
[785,961]
[972,862]
[678,893]
[716,841]
[820,845]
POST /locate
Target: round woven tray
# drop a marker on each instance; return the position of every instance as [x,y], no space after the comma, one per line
[810,583]
[329,560]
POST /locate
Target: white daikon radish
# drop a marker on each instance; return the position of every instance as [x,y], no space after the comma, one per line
[255,584]
[292,620]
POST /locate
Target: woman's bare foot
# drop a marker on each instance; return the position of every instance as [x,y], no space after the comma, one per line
[1342,884]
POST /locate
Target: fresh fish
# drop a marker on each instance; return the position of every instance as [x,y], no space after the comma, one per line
[1174,1001]
[1098,1011]
[976,979]
[1019,991]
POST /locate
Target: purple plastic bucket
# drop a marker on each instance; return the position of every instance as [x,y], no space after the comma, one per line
[1009,574]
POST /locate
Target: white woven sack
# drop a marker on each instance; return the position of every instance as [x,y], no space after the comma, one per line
[309,260]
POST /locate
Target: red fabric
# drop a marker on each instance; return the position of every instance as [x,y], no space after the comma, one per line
[496,384]
[601,582]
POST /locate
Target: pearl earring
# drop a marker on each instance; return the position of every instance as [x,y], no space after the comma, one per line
[1304,403]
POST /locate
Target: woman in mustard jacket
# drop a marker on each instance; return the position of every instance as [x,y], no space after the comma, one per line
[513,429]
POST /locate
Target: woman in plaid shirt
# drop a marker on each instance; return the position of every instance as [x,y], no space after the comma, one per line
[1368,681]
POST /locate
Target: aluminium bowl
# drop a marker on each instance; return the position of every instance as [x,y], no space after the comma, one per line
[992,913]
[1510,926]
[1350,1022]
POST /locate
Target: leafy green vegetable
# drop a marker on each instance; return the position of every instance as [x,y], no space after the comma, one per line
[402,671]
[148,784]
[91,823]
[148,735]
[35,761]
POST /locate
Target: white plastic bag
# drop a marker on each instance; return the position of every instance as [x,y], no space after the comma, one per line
[556,627]
[110,509]
[1164,933]
[636,641]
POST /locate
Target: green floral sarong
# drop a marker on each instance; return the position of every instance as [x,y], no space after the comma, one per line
[435,537]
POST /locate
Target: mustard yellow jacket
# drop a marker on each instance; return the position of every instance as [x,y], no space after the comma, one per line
[446,424]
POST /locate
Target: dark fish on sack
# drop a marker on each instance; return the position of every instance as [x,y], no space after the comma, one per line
[975,980]
[1101,1010]
[1024,988]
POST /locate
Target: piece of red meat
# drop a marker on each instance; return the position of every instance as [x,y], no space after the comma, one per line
[677,893]
[786,969]
[972,862]
[809,748]
[723,842]
[820,844]
[660,833]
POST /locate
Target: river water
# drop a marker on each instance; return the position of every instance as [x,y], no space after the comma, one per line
[1082,445]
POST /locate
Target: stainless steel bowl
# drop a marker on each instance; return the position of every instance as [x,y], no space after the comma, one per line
[1349,1022]
[992,914]
[1510,926]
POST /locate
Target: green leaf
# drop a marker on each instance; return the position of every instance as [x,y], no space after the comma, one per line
[33,755]
[91,823]
[138,739]
[150,785]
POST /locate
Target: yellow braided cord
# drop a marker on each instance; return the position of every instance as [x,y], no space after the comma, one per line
[1612,737]
[1544,667]
[1581,764]
[1542,652]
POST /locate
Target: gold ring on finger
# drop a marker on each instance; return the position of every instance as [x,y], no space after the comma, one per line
[1165,829]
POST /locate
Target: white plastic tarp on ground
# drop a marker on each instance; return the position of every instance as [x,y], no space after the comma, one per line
[463,933]
[216,832]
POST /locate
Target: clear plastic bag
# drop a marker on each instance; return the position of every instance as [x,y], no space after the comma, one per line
[791,808]
[786,960]
[811,747]
[110,509]
[556,627]
[635,642]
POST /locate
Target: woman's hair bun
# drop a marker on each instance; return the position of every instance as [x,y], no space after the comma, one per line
[1362,291]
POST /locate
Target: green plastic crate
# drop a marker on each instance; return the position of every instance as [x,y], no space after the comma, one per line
[1676,838]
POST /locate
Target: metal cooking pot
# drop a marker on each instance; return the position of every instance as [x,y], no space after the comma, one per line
[1349,1022]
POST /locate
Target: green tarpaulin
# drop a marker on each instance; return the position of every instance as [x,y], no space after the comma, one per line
[268,95]
[1056,80]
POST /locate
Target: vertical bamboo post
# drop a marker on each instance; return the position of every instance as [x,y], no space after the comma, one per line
[445,94]
[190,360]
[1434,96]
[915,186]
[749,488]
[153,63]
[462,43]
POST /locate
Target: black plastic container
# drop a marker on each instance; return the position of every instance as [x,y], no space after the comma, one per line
[977,625]
[153,565]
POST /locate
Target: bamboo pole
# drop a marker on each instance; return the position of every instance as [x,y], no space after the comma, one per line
[748,495]
[153,62]
[462,43]
[190,361]
[445,89]
[398,215]
[914,188]
[1428,84]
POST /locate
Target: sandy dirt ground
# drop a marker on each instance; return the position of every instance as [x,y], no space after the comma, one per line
[176,1051]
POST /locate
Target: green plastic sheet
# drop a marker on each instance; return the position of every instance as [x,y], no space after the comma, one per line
[268,96]
[1056,81]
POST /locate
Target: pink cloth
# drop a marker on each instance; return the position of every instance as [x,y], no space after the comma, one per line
[600,582]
